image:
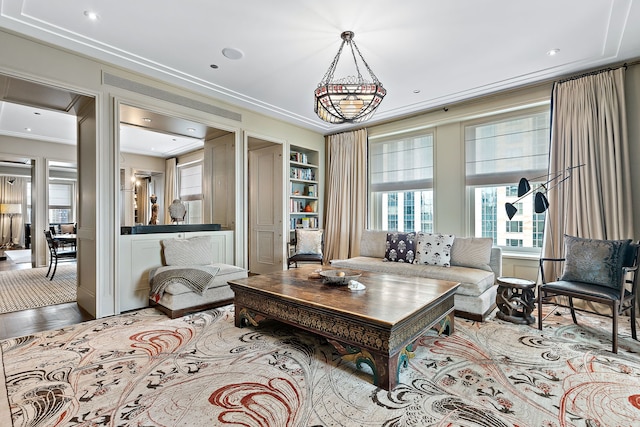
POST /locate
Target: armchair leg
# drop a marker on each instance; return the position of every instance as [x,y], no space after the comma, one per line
[615,309]
[633,322]
[539,309]
[573,311]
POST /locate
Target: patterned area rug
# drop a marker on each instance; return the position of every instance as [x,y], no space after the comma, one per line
[29,288]
[142,369]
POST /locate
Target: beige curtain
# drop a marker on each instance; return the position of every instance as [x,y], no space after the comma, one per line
[171,186]
[588,126]
[13,191]
[346,194]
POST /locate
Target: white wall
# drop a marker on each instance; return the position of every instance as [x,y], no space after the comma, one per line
[26,59]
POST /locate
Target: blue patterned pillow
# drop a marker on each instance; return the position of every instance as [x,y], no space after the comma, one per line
[598,262]
[400,247]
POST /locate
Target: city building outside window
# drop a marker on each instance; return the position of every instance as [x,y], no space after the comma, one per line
[401,182]
[499,151]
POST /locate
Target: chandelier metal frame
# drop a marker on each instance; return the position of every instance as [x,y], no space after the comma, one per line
[350,99]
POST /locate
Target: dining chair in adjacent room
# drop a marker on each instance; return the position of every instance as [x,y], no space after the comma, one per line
[57,254]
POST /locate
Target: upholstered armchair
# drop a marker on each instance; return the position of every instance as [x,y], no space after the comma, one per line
[603,271]
[307,247]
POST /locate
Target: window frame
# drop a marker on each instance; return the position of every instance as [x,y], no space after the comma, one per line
[376,192]
[71,207]
[189,199]
[508,180]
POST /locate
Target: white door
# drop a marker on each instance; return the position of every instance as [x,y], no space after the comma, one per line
[265,210]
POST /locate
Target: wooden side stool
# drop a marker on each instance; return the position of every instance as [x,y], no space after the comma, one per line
[516,300]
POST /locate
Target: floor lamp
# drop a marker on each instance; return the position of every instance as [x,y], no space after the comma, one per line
[10,209]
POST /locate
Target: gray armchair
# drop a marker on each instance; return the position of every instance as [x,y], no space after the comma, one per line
[603,271]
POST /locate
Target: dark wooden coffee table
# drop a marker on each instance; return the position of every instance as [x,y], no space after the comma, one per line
[377,326]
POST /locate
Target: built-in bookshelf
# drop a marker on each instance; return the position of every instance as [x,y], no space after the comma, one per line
[303,189]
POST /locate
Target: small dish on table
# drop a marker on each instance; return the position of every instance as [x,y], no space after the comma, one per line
[339,277]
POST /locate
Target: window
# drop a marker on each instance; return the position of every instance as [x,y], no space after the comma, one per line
[191,195]
[401,182]
[498,153]
[61,197]
[514,227]
[512,191]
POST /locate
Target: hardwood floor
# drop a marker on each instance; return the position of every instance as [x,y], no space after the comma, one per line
[25,322]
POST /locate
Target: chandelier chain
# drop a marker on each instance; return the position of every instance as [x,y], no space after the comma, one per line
[328,76]
[373,76]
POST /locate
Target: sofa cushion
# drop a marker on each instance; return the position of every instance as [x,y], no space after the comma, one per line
[372,243]
[193,251]
[400,247]
[474,252]
[434,249]
[598,262]
[473,281]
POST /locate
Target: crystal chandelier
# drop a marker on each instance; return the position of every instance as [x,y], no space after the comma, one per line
[350,99]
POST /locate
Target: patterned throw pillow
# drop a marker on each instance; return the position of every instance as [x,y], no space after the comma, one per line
[434,249]
[400,247]
[598,262]
[309,242]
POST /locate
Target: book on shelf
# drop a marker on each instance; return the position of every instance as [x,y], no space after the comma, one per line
[307,174]
[298,157]
[304,222]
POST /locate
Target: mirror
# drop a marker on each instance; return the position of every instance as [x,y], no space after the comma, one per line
[174,158]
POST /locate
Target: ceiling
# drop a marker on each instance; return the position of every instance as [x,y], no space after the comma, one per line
[427,53]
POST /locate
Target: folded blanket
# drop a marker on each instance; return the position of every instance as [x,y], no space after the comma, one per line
[196,278]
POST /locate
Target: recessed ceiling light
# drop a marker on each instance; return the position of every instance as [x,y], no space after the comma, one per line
[416,91]
[191,129]
[37,113]
[27,129]
[146,119]
[232,53]
[553,52]
[214,66]
[91,15]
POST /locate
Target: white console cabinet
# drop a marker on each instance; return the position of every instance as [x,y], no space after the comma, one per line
[139,253]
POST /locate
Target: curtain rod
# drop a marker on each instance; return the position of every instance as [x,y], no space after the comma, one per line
[595,72]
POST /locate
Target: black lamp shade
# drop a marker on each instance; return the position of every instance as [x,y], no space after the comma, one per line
[541,203]
[523,187]
[511,210]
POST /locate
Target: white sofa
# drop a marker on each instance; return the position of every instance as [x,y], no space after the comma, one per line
[475,298]
[178,297]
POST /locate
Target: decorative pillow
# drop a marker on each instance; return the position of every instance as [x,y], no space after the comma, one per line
[400,247]
[598,262]
[193,251]
[473,252]
[434,249]
[372,243]
[309,242]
